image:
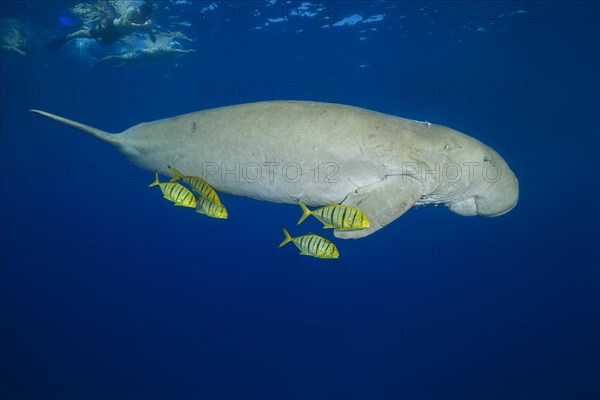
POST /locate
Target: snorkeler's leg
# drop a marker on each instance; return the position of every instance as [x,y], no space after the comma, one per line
[109,58]
[129,57]
[13,48]
[82,33]
[59,42]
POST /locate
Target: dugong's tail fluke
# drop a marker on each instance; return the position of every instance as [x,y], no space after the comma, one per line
[104,136]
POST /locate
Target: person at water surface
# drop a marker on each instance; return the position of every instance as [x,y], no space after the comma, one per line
[150,55]
[108,31]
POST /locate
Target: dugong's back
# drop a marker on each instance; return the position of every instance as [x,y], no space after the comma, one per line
[278,151]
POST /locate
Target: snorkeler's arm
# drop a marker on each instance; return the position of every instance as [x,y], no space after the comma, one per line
[144,25]
[109,58]
[14,48]
[82,33]
[182,51]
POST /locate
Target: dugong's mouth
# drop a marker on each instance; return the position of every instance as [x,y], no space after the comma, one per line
[502,212]
[477,206]
[485,209]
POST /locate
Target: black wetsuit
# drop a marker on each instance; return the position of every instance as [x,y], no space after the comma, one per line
[105,31]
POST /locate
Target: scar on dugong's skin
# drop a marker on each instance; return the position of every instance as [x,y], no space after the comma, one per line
[282,151]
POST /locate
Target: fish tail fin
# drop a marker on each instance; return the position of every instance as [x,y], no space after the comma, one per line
[97,133]
[287,239]
[177,176]
[156,181]
[306,212]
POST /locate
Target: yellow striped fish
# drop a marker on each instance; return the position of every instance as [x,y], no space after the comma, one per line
[312,245]
[198,184]
[345,218]
[207,207]
[175,192]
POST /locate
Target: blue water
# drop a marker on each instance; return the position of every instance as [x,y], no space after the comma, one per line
[108,291]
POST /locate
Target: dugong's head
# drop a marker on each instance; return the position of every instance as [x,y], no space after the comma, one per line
[492,188]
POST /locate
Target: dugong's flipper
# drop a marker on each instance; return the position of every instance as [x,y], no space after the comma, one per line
[383,202]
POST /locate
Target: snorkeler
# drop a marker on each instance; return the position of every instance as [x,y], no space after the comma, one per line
[108,31]
[152,54]
[16,38]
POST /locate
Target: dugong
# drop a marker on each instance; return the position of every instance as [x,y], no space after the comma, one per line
[285,151]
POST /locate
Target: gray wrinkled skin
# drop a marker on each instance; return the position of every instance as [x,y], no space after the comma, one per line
[281,151]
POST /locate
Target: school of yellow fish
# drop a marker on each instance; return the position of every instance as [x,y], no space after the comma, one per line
[208,203]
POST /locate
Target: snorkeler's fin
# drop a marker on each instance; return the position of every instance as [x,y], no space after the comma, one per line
[56,44]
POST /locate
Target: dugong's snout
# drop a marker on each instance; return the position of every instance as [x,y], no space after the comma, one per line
[499,193]
[491,193]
